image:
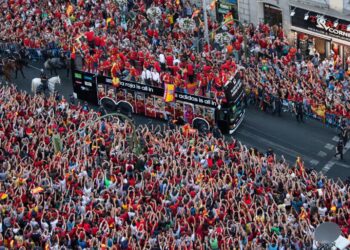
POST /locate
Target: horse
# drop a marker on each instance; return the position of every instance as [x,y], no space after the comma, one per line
[55,63]
[20,63]
[6,69]
[38,87]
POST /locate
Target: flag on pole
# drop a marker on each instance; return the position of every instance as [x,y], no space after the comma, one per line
[228,18]
[115,78]
[108,21]
[169,92]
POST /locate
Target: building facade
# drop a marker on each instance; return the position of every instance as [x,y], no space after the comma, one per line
[311,25]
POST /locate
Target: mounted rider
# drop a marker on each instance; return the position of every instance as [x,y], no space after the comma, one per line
[44,79]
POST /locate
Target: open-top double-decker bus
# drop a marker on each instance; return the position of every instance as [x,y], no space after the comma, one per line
[133,97]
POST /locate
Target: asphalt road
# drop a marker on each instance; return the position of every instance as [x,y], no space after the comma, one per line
[312,140]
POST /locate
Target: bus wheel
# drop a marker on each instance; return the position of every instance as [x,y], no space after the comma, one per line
[125,108]
[201,125]
[108,104]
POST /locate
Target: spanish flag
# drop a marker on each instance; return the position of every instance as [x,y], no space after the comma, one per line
[108,20]
[228,18]
[115,78]
[115,81]
[73,53]
[169,92]
[69,10]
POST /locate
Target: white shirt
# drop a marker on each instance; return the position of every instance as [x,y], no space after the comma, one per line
[146,74]
[161,58]
[155,76]
[322,211]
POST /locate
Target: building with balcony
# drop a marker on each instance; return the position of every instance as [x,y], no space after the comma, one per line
[311,25]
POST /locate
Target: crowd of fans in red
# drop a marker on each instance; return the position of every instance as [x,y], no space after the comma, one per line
[125,41]
[96,193]
[174,191]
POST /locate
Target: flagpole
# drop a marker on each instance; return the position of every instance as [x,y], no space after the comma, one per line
[206,30]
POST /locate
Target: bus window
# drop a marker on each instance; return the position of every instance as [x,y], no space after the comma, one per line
[101,91]
[209,115]
[199,111]
[188,112]
[170,109]
[236,110]
[130,97]
[110,92]
[150,107]
[140,103]
[179,112]
[159,107]
[120,94]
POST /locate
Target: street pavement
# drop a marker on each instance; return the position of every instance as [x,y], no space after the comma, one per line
[313,141]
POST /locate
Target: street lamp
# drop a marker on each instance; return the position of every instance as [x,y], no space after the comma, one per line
[206,29]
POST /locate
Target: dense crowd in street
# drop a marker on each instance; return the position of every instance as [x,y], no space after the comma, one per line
[159,51]
[97,193]
[175,190]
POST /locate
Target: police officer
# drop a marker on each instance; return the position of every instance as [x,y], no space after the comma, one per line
[44,79]
[344,132]
[299,112]
[339,149]
[277,103]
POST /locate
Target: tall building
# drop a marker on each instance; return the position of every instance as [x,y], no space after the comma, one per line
[311,25]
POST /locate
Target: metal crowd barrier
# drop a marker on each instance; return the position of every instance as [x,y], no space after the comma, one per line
[331,120]
[33,53]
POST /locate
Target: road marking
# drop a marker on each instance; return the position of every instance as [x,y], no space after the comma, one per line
[336,138]
[286,151]
[329,146]
[331,163]
[277,139]
[322,154]
[328,166]
[314,162]
[342,164]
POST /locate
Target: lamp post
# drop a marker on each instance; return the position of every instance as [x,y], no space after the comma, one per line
[206,29]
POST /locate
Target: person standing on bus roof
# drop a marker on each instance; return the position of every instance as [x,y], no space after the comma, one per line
[146,76]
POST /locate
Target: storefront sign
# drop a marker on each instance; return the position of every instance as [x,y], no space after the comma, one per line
[228,1]
[322,24]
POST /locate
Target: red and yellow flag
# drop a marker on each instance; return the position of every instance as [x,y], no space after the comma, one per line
[169,92]
[228,18]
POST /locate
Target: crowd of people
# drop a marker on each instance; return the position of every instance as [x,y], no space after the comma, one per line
[71,178]
[279,75]
[126,42]
[96,189]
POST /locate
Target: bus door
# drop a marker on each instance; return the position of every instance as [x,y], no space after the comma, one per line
[222,119]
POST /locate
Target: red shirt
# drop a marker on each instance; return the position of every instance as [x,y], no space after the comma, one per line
[169,60]
[90,36]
